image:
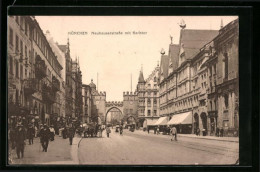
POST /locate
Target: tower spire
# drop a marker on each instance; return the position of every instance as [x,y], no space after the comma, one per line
[141,76]
[221,24]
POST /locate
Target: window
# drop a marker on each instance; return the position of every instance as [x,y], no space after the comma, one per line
[21,48]
[154,112]
[225,65]
[226,100]
[155,101]
[149,112]
[11,36]
[16,69]
[21,72]
[155,93]
[16,43]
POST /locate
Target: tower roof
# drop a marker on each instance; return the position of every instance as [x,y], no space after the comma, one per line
[173,55]
[92,85]
[141,77]
[193,40]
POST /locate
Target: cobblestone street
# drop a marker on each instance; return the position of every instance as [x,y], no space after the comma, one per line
[142,148]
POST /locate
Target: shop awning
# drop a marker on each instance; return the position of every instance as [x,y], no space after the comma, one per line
[183,118]
[162,121]
[149,122]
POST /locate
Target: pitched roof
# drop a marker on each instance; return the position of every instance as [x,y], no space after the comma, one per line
[141,77]
[63,48]
[193,40]
[164,65]
[174,55]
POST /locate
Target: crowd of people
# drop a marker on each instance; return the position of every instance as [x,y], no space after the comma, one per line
[19,134]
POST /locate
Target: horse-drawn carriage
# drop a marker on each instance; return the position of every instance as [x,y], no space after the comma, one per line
[91,130]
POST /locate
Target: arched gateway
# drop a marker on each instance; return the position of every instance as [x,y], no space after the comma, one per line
[119,105]
[113,105]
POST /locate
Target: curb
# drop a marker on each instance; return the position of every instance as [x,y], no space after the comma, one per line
[223,140]
[237,141]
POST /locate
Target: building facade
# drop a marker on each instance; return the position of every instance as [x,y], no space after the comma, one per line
[34,73]
[225,51]
[87,103]
[77,76]
[199,78]
[130,107]
[99,101]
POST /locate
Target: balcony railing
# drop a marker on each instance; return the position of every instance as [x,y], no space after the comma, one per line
[55,84]
[30,86]
[47,94]
[40,69]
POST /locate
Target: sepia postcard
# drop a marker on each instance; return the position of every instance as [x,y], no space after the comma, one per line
[123,90]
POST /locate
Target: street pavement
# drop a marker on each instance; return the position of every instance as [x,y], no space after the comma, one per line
[137,148]
[59,152]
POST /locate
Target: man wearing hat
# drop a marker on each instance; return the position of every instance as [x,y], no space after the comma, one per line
[44,137]
[20,141]
[30,133]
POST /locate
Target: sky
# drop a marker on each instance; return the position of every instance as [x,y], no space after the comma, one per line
[115,58]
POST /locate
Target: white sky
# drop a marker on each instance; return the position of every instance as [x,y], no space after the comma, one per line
[115,57]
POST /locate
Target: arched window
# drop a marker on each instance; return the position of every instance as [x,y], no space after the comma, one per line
[226,100]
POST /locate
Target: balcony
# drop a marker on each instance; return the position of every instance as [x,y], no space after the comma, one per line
[55,84]
[47,94]
[29,86]
[40,68]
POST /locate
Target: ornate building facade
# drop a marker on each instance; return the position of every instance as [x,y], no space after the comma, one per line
[190,76]
[34,73]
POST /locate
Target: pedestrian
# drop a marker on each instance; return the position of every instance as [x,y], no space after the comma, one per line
[71,133]
[217,132]
[174,134]
[108,131]
[121,130]
[12,137]
[221,132]
[198,131]
[35,131]
[20,141]
[44,137]
[30,133]
[158,130]
[52,133]
[154,130]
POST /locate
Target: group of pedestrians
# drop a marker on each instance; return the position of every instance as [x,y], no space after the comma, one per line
[19,135]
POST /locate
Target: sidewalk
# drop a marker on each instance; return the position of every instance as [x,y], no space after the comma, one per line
[226,139]
[59,152]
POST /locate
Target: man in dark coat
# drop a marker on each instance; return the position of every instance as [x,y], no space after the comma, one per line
[30,133]
[20,141]
[71,134]
[44,137]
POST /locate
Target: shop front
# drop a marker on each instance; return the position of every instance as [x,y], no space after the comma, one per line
[182,122]
[162,124]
